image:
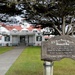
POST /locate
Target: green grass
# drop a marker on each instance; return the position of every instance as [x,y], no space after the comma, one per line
[64,67]
[5,49]
[29,63]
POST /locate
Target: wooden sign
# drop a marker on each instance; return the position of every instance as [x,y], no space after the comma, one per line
[57,48]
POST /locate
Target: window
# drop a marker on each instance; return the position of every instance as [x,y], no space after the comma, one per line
[34,30]
[7,38]
[39,38]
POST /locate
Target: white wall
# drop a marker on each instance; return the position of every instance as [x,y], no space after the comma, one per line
[31,39]
[15,40]
[4,43]
[1,40]
[38,43]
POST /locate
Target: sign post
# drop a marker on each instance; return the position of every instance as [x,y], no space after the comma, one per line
[48,68]
[55,49]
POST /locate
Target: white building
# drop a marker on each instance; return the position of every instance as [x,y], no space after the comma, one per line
[20,35]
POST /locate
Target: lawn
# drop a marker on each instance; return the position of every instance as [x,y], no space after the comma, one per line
[5,49]
[64,67]
[29,63]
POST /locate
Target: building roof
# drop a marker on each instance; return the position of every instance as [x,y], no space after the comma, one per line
[9,27]
[46,37]
[30,28]
[13,27]
[19,27]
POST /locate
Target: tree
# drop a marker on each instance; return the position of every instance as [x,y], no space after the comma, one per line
[56,13]
[9,7]
[53,13]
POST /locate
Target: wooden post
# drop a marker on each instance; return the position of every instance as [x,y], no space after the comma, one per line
[48,68]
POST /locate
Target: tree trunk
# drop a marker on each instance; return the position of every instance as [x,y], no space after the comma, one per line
[63,26]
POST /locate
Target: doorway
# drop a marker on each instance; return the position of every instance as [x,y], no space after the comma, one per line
[22,40]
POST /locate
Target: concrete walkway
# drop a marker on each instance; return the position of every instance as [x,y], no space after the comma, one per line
[8,58]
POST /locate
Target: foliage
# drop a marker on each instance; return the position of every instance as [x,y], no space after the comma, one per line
[56,14]
[53,13]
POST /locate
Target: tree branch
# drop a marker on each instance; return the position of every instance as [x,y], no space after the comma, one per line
[68,28]
[57,29]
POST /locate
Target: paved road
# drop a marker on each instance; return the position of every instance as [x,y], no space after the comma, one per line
[8,58]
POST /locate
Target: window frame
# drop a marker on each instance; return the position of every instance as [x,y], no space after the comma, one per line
[38,38]
[7,38]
